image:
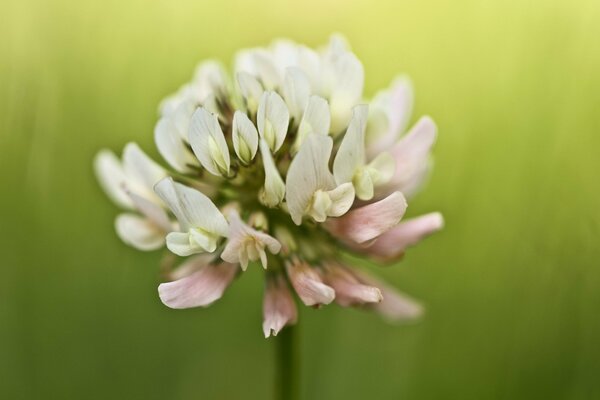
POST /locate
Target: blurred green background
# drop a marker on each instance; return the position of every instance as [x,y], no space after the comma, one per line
[512,285]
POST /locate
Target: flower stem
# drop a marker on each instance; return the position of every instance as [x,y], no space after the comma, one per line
[287,372]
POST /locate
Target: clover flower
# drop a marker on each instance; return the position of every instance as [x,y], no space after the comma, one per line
[287,166]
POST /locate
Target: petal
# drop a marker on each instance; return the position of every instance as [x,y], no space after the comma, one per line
[411,154]
[142,172]
[395,306]
[191,265]
[342,198]
[351,154]
[296,90]
[139,232]
[308,172]
[210,78]
[346,90]
[199,289]
[273,191]
[279,308]
[391,110]
[370,221]
[308,284]
[245,137]
[264,68]
[251,90]
[172,148]
[272,119]
[179,243]
[394,242]
[316,119]
[111,176]
[349,291]
[192,208]
[208,142]
[382,168]
[155,213]
[240,237]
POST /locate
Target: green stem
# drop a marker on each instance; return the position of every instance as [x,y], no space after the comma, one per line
[287,372]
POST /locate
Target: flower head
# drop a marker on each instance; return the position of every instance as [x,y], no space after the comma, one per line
[283,164]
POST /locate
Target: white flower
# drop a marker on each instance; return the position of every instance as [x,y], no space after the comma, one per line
[350,161]
[208,142]
[201,222]
[311,189]
[129,184]
[245,137]
[274,189]
[272,119]
[247,244]
[301,166]
[279,308]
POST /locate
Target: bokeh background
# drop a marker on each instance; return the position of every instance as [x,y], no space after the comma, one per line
[512,285]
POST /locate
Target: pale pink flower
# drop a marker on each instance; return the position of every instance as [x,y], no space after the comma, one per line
[284,164]
[279,308]
[349,291]
[370,221]
[393,243]
[201,288]
[394,306]
[308,284]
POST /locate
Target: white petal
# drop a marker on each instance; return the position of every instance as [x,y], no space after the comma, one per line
[272,119]
[155,213]
[310,63]
[284,53]
[139,232]
[368,222]
[208,142]
[172,148]
[351,154]
[199,289]
[192,208]
[382,168]
[210,78]
[342,198]
[274,189]
[251,90]
[296,90]
[316,119]
[241,236]
[179,243]
[245,137]
[141,170]
[111,176]
[346,91]
[308,172]
[260,63]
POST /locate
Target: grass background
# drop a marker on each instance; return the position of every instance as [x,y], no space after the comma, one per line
[512,284]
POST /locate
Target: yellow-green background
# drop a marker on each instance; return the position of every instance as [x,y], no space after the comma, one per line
[512,284]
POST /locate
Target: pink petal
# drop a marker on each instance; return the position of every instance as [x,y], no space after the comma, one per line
[370,221]
[199,289]
[411,154]
[394,242]
[349,291]
[308,284]
[395,306]
[279,308]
